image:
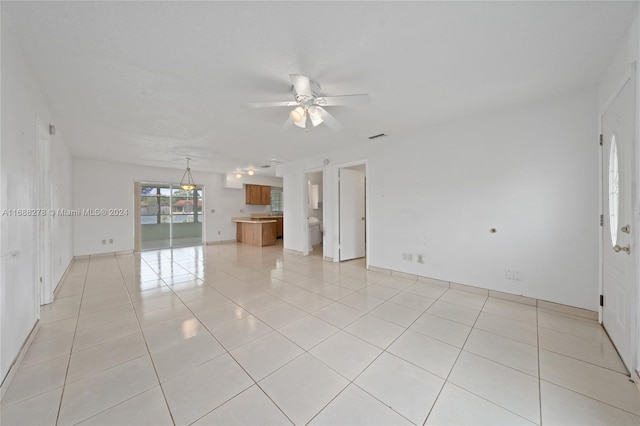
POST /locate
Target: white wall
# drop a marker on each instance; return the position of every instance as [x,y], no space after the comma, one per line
[619,66]
[109,185]
[530,172]
[24,114]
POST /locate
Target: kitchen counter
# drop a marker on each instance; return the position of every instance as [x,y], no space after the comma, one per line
[255,232]
[245,220]
[264,217]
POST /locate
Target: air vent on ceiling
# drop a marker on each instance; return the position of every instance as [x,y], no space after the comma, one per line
[379,135]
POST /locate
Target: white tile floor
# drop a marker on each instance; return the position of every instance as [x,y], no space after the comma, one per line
[236,334]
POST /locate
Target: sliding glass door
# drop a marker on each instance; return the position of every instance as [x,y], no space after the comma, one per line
[170,216]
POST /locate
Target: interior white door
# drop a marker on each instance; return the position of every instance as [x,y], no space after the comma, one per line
[618,312]
[352,214]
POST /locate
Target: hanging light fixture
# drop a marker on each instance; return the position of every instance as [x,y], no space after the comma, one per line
[315,115]
[297,114]
[239,175]
[250,172]
[187,185]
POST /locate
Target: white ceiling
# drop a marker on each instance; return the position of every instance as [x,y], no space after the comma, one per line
[153,82]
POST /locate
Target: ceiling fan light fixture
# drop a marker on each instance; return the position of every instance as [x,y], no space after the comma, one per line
[297,114]
[314,115]
[186,182]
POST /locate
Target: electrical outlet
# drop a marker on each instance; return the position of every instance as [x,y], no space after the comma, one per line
[420,258]
[110,240]
[409,257]
[512,274]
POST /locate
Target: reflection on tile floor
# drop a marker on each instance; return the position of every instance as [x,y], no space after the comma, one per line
[236,334]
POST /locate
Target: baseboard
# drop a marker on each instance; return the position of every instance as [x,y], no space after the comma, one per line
[411,277]
[62,278]
[380,270]
[106,254]
[542,304]
[211,243]
[15,366]
[286,250]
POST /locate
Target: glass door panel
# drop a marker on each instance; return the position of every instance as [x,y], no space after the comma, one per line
[168,217]
[186,213]
[155,221]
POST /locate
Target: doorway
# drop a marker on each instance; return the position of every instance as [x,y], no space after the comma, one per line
[352,212]
[619,291]
[315,212]
[168,216]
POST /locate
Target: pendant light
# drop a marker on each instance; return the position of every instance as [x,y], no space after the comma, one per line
[187,185]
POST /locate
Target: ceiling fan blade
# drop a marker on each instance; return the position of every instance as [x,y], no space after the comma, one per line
[329,120]
[314,115]
[270,104]
[343,100]
[287,124]
[301,84]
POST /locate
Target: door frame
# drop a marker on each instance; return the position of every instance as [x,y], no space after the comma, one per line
[367,209]
[44,278]
[305,209]
[635,198]
[137,226]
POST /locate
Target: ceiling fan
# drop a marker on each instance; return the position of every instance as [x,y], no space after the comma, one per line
[310,105]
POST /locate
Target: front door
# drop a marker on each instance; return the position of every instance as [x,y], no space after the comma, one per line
[618,312]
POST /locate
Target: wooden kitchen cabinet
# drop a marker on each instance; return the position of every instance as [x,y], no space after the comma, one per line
[265,195]
[258,195]
[279,227]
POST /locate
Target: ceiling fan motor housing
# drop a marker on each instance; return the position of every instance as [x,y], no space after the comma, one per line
[305,100]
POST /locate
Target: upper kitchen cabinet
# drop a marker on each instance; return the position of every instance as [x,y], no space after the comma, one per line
[258,195]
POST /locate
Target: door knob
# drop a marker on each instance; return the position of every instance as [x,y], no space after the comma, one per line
[626,229]
[618,249]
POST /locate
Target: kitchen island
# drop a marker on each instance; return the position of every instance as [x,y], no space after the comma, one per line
[279,218]
[256,232]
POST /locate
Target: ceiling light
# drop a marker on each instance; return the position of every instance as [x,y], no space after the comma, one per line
[297,114]
[250,172]
[239,175]
[315,115]
[187,185]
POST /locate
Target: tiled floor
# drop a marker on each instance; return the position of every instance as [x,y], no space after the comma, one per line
[235,334]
